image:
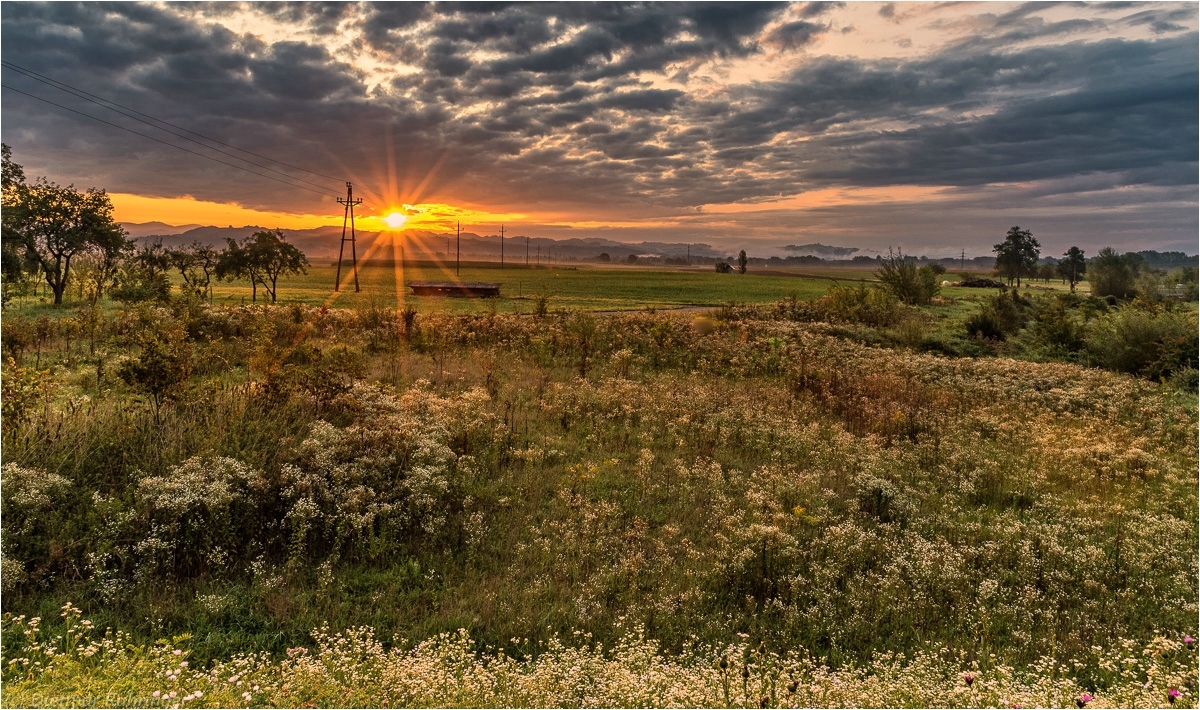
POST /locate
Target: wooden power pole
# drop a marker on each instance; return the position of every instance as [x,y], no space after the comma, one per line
[349,202]
[458,246]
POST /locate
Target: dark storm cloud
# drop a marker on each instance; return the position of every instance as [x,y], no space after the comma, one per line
[549,104]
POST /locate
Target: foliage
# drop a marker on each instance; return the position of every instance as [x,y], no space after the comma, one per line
[196,265]
[1000,316]
[908,282]
[354,668]
[1114,274]
[698,477]
[1017,255]
[742,261]
[53,225]
[1073,267]
[261,258]
[160,368]
[1145,340]
[874,306]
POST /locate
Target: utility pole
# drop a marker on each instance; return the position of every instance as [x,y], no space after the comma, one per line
[349,202]
[458,245]
[502,246]
[962,260]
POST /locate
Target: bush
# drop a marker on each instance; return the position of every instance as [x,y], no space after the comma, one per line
[1055,326]
[136,285]
[1112,274]
[1144,340]
[1001,316]
[911,284]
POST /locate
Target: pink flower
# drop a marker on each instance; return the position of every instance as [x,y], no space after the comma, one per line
[969,679]
[1083,699]
[1189,641]
[1172,695]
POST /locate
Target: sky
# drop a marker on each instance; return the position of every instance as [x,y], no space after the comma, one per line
[931,127]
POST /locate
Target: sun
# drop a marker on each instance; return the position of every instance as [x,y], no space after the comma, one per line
[395,220]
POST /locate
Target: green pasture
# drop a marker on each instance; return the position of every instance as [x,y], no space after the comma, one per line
[575,288]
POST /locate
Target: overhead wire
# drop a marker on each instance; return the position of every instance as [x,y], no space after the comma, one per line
[129,112]
[167,143]
[87,96]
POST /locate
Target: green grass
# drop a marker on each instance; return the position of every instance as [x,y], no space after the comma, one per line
[579,288]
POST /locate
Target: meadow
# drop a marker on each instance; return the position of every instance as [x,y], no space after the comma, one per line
[813,496]
[578,287]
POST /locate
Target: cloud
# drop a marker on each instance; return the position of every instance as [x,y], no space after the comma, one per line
[656,107]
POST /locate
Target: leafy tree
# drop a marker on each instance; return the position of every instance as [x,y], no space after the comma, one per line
[742,261]
[197,264]
[14,260]
[1113,274]
[1073,267]
[261,258]
[912,285]
[1017,255]
[53,224]
[144,276]
[604,258]
[101,268]
[277,258]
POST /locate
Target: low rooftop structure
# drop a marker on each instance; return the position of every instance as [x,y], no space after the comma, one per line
[465,289]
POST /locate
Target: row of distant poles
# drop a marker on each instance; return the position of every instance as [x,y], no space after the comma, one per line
[350,201]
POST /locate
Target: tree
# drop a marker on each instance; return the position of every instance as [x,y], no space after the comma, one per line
[907,282]
[1113,274]
[161,368]
[103,266]
[1017,255]
[262,258]
[15,259]
[197,265]
[742,261]
[144,275]
[277,258]
[53,224]
[604,258]
[1073,267]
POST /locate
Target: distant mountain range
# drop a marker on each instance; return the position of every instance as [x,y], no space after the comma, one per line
[323,243]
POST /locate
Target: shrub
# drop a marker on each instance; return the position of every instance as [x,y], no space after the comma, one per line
[197,507]
[1144,340]
[908,282]
[1112,274]
[1055,326]
[876,307]
[1000,316]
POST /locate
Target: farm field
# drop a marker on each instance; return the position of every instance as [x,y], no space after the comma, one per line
[792,503]
[576,288]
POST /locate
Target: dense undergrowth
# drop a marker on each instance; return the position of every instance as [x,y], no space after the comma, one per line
[608,506]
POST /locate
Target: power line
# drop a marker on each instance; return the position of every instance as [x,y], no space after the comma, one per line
[159,140]
[130,113]
[63,86]
[81,94]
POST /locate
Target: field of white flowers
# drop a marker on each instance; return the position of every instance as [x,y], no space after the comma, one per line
[291,505]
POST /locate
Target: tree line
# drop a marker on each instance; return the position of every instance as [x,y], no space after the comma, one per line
[1109,273]
[62,235]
